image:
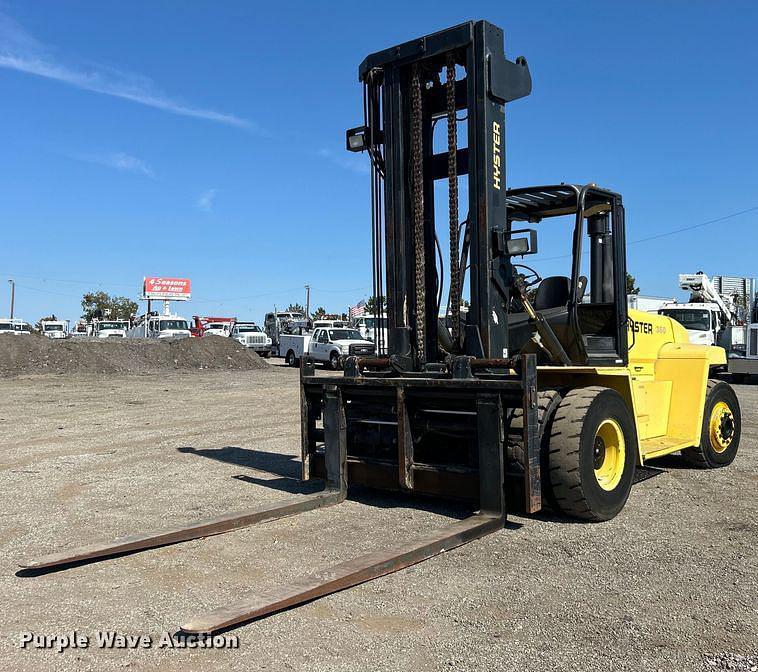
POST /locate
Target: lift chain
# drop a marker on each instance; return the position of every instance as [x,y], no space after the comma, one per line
[418,212]
[452,176]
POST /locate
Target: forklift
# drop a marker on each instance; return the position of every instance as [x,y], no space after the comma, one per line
[547,391]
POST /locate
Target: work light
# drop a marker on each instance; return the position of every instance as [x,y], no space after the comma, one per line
[357,140]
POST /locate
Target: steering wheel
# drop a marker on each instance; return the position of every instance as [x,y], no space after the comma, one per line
[536,278]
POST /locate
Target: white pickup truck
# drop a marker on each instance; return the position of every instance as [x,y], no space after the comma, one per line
[252,336]
[326,345]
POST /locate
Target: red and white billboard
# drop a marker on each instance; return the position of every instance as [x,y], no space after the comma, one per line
[176,289]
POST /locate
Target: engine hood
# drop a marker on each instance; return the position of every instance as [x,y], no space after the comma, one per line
[347,342]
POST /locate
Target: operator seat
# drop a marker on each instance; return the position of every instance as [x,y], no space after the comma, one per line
[554,292]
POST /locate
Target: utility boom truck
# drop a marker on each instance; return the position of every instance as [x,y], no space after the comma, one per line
[277,324]
[707,315]
[539,398]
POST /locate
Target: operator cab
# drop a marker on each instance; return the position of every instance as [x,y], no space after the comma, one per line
[576,283]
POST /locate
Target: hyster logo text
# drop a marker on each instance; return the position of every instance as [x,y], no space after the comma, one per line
[496,154]
[640,327]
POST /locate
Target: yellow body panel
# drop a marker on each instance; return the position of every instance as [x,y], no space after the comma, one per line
[664,384]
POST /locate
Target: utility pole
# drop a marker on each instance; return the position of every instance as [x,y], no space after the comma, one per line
[13,295]
[307,302]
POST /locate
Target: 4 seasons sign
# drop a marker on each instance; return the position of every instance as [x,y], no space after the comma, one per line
[175,289]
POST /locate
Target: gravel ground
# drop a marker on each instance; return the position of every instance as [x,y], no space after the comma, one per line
[670,584]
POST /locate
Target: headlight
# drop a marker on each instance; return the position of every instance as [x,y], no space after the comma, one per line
[268,341]
[345,349]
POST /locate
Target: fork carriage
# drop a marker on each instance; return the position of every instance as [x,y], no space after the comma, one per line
[441,434]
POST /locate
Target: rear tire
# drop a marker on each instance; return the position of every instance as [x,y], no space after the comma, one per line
[592,454]
[290,358]
[721,429]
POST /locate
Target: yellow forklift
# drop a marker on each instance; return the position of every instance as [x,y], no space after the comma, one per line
[544,390]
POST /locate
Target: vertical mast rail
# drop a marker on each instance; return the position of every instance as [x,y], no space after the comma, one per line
[452,176]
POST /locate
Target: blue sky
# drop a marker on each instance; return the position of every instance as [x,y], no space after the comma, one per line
[206,139]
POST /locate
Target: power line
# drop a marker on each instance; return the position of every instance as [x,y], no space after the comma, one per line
[694,226]
[47,291]
[665,233]
[97,283]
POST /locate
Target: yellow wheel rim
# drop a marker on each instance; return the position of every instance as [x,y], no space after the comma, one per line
[721,426]
[609,453]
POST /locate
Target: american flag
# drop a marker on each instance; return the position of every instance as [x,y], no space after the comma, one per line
[358,309]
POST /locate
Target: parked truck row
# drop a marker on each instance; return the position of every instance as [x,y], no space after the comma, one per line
[720,310]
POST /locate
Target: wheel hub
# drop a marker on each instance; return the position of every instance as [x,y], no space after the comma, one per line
[598,452]
[726,428]
[609,454]
[721,427]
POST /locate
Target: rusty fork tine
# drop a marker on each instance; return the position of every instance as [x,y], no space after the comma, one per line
[196,530]
[347,574]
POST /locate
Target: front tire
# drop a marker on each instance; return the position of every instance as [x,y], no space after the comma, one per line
[721,429]
[592,454]
[334,361]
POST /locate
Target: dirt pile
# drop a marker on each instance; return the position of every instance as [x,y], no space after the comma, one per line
[37,354]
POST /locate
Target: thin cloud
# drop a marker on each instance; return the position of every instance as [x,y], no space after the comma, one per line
[21,52]
[356,163]
[120,161]
[206,200]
